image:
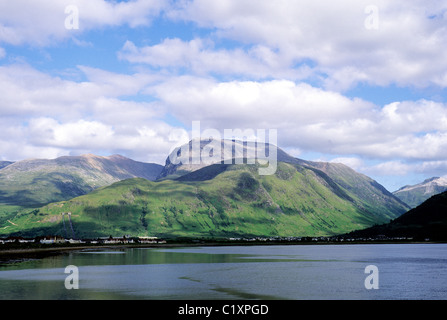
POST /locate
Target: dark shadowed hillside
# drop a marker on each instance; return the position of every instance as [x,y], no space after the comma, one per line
[426,221]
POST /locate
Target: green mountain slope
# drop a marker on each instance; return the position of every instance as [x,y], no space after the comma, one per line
[32,183]
[428,220]
[223,201]
[370,197]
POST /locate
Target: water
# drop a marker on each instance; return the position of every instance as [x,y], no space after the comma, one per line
[299,272]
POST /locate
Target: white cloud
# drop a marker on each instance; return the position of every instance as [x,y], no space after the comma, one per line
[287,39]
[391,168]
[114,84]
[61,114]
[396,173]
[384,168]
[49,116]
[310,39]
[407,47]
[27,92]
[275,46]
[41,22]
[269,104]
[352,162]
[46,137]
[201,57]
[72,135]
[309,118]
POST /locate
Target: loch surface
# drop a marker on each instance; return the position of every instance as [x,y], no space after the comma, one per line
[297,272]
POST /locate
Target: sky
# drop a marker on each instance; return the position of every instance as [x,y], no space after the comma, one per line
[361,82]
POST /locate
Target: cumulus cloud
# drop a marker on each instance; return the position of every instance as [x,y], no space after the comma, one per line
[72,135]
[46,137]
[254,103]
[65,115]
[395,172]
[50,116]
[390,168]
[310,118]
[28,92]
[41,22]
[248,64]
[406,47]
[201,57]
[352,162]
[287,39]
[94,135]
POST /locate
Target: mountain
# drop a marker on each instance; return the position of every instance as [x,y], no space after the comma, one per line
[416,194]
[5,163]
[35,182]
[426,221]
[370,196]
[221,199]
[198,154]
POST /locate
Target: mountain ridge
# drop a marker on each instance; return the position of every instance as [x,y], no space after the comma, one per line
[334,170]
[415,195]
[301,198]
[5,164]
[34,182]
[195,155]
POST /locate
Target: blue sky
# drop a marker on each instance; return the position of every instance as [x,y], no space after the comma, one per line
[359,82]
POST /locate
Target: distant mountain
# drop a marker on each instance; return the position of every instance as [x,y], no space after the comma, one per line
[35,182]
[416,194]
[426,221]
[301,198]
[5,163]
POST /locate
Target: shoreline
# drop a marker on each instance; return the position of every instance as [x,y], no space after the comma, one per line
[18,254]
[13,255]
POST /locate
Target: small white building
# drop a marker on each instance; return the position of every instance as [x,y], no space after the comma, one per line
[147,239]
[52,239]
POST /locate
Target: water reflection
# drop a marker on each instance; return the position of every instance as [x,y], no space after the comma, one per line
[258,272]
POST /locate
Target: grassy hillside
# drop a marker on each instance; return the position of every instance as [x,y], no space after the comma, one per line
[371,197]
[217,201]
[33,183]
